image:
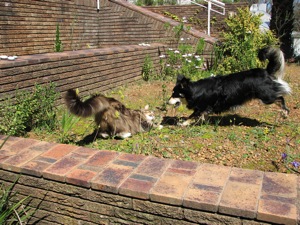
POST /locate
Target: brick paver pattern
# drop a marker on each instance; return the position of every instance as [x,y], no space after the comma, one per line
[265,196]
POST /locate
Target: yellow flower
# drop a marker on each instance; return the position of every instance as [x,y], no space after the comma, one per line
[117,114]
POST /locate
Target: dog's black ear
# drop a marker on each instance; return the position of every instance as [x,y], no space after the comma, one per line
[184,83]
[179,78]
[182,80]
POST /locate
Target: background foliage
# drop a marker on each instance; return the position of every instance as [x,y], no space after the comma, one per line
[241,42]
[29,110]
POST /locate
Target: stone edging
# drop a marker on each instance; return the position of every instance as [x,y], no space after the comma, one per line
[251,194]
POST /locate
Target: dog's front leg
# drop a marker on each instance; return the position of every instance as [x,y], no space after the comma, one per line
[196,116]
[203,117]
[186,123]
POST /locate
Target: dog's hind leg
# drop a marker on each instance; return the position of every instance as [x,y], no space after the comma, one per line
[285,110]
[278,101]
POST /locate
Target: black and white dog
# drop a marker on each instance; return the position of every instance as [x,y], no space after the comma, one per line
[222,93]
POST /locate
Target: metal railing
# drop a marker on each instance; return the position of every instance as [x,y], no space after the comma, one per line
[209,8]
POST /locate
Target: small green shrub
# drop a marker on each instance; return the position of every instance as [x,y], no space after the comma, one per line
[68,121]
[58,46]
[148,69]
[184,60]
[43,103]
[164,97]
[241,42]
[172,16]
[149,2]
[139,2]
[179,29]
[160,2]
[29,110]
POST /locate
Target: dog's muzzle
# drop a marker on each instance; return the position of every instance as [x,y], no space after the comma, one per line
[174,101]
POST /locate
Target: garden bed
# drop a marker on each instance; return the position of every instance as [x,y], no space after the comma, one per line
[253,137]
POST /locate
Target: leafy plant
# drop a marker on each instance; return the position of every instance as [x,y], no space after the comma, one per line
[164,97]
[29,110]
[67,123]
[43,100]
[148,2]
[184,60]
[262,133]
[172,16]
[13,213]
[139,2]
[147,69]
[241,42]
[58,46]
[179,29]
[15,114]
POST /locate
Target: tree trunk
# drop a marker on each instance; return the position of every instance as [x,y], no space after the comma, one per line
[282,18]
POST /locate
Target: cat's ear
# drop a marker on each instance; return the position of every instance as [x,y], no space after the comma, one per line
[146,107]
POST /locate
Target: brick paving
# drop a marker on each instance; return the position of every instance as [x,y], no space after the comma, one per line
[263,196]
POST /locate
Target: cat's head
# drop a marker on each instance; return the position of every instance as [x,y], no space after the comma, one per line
[151,120]
[149,114]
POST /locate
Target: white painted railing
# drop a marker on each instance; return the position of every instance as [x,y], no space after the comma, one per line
[209,8]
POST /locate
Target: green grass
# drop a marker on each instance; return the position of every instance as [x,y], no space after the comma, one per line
[253,137]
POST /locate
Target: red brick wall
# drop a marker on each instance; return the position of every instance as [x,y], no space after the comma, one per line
[62,203]
[70,184]
[199,15]
[29,27]
[92,70]
[28,30]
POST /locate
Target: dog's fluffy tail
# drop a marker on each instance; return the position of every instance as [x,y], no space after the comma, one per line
[80,108]
[275,67]
[276,63]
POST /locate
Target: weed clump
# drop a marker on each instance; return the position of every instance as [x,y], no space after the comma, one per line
[29,110]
